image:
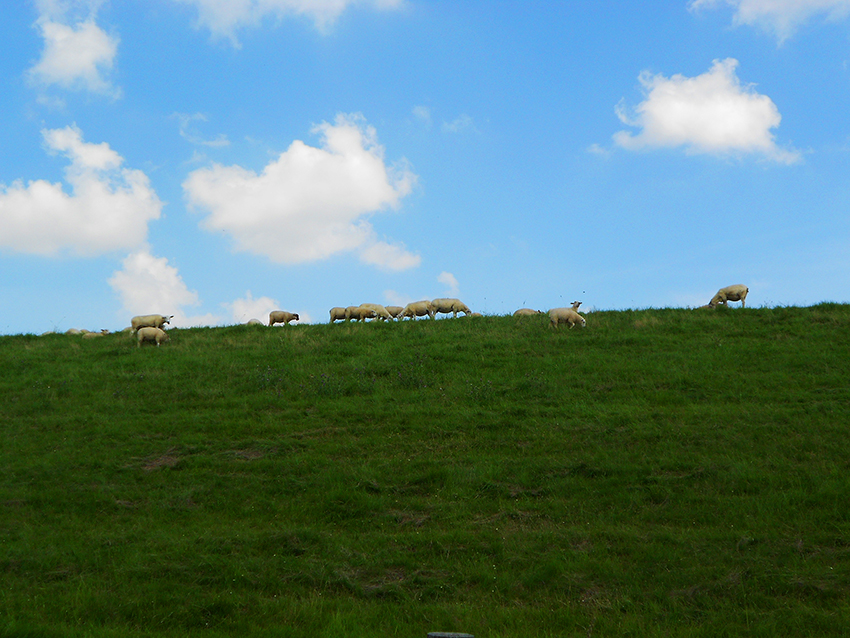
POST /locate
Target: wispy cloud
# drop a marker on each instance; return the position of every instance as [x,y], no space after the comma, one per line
[189,133]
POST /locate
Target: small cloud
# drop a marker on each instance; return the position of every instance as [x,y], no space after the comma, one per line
[148,285]
[459,125]
[712,113]
[188,132]
[781,17]
[449,280]
[423,114]
[596,149]
[249,308]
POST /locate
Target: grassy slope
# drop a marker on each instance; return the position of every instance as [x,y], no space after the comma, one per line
[662,472]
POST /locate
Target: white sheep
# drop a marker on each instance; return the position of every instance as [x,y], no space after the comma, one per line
[417,309]
[527,312]
[380,312]
[394,311]
[149,321]
[254,322]
[558,316]
[453,306]
[338,313]
[91,335]
[73,331]
[360,313]
[737,292]
[151,334]
[282,316]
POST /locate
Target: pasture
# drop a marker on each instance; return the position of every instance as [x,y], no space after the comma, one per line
[661,472]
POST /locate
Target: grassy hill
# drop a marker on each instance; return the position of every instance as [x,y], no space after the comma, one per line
[664,472]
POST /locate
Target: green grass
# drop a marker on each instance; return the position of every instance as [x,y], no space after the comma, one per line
[662,472]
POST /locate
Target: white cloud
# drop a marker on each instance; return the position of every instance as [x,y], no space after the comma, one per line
[460,124]
[78,56]
[148,285]
[249,308]
[109,208]
[423,114]
[711,113]
[224,17]
[782,17]
[449,280]
[191,135]
[310,203]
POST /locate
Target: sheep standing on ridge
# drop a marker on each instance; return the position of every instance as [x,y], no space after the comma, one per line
[281,316]
[394,311]
[360,313]
[338,313]
[453,306]
[558,316]
[737,292]
[151,334]
[149,321]
[380,312]
[417,309]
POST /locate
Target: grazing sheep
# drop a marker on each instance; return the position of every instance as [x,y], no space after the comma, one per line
[527,312]
[453,306]
[737,292]
[417,309]
[151,334]
[254,322]
[394,311]
[73,331]
[149,321]
[360,313]
[558,316]
[338,313]
[380,312]
[281,316]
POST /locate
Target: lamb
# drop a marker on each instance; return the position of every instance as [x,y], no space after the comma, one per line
[453,306]
[360,313]
[527,312]
[737,292]
[380,312]
[417,309]
[149,321]
[151,334]
[558,316]
[282,316]
[338,313]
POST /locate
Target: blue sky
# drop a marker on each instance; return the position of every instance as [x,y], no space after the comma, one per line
[217,160]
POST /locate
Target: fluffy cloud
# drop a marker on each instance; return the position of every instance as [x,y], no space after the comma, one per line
[250,308]
[109,208]
[77,57]
[450,281]
[309,203]
[224,17]
[148,285]
[781,17]
[711,113]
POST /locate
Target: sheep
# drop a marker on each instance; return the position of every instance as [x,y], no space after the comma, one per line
[360,313]
[558,316]
[380,312]
[73,331]
[417,309]
[254,322]
[282,316]
[338,313]
[151,334]
[737,292]
[91,335]
[149,321]
[527,312]
[394,311]
[453,306]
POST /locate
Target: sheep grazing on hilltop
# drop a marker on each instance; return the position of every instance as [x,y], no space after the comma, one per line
[281,316]
[360,313]
[338,313]
[380,312]
[453,306]
[254,322]
[558,316]
[527,312]
[417,309]
[737,292]
[73,331]
[92,335]
[394,311]
[149,321]
[151,334]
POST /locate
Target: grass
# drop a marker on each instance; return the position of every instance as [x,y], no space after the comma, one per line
[663,472]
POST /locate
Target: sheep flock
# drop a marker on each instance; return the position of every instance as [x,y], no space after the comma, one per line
[150,329]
